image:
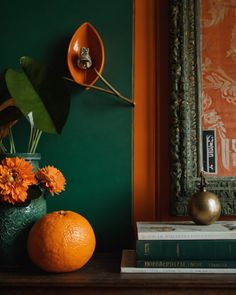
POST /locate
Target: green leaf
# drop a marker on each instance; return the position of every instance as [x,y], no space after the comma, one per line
[41,92]
[27,99]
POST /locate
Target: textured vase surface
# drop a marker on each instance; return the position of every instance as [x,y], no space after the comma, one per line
[15,223]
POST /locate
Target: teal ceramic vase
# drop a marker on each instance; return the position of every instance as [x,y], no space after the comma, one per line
[16,221]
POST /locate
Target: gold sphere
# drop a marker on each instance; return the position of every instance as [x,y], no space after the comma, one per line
[204,207]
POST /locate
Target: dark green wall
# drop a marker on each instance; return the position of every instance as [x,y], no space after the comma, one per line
[94,150]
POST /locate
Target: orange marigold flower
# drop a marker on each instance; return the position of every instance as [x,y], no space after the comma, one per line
[16,174]
[51,179]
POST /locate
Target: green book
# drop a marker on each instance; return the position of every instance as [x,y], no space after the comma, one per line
[186,263]
[186,249]
[128,265]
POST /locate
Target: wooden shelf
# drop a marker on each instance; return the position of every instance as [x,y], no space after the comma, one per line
[102,276]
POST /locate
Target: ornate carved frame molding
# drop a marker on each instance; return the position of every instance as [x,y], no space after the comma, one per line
[185,111]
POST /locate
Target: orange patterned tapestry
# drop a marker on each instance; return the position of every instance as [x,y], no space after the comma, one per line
[218,53]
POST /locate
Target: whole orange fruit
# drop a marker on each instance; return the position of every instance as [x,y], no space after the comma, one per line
[61,241]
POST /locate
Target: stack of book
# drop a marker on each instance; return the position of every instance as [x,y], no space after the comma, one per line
[183,247]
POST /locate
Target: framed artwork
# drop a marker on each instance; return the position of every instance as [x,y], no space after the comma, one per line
[203,100]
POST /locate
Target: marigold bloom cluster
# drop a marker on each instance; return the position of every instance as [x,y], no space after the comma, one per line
[51,179]
[17,175]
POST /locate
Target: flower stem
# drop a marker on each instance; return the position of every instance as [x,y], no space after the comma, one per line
[35,140]
[39,133]
[2,147]
[12,144]
[31,137]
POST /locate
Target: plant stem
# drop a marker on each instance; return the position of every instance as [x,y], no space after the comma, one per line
[39,133]
[12,144]
[35,140]
[31,137]
[2,147]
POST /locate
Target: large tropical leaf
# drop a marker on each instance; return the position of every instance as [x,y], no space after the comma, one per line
[28,100]
[38,90]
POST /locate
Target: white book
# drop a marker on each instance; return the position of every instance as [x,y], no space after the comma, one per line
[185,230]
[128,266]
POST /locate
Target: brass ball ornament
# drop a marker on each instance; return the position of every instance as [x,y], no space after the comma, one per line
[204,207]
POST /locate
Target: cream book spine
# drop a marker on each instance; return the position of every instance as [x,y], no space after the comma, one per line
[185,231]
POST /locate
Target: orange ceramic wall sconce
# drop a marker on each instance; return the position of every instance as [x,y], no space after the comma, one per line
[85,60]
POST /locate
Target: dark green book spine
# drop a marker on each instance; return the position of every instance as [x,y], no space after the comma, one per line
[186,249]
[186,263]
